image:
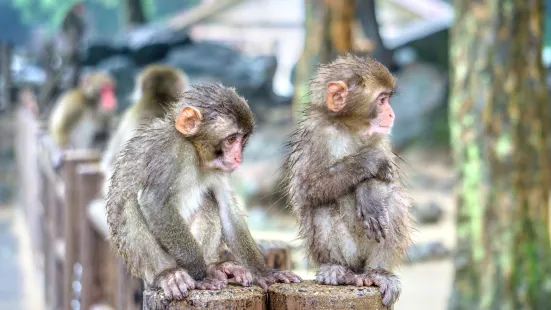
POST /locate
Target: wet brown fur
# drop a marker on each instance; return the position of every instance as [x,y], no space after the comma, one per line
[329,159]
[158,195]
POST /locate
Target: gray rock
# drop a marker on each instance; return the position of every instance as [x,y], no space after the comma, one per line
[421,89]
[430,214]
[428,251]
[215,62]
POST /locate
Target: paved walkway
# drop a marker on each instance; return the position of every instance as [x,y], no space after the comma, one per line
[10,271]
[20,283]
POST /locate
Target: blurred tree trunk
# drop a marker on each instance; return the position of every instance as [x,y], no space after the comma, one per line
[499,124]
[328,27]
[133,13]
[368,19]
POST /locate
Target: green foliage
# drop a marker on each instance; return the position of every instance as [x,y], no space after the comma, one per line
[106,13]
[50,13]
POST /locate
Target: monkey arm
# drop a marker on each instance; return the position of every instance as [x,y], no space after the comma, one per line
[328,183]
[236,233]
[170,229]
[210,229]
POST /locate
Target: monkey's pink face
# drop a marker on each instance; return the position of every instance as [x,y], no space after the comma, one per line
[385,115]
[231,154]
[108,101]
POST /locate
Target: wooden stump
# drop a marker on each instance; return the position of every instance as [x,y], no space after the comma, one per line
[276,253]
[309,295]
[232,297]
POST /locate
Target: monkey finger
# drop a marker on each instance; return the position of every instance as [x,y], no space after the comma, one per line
[166,290]
[368,230]
[180,278]
[367,281]
[188,280]
[281,278]
[291,276]
[356,281]
[262,283]
[218,274]
[387,298]
[377,230]
[175,290]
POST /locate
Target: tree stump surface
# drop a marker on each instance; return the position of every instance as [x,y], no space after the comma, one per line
[234,297]
[309,295]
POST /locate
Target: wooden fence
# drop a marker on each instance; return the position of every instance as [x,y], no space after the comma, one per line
[56,191]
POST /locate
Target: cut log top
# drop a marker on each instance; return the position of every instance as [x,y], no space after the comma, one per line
[231,297]
[309,295]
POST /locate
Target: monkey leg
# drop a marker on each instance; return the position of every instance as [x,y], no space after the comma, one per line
[333,244]
[148,260]
[384,256]
[209,233]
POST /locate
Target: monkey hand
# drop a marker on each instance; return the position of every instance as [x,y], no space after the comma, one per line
[210,283]
[229,269]
[265,279]
[175,283]
[375,220]
[385,173]
[375,163]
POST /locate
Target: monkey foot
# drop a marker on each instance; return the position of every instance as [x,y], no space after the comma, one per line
[331,274]
[210,284]
[275,276]
[175,283]
[224,271]
[389,285]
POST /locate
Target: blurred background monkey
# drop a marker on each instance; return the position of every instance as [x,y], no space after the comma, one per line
[83,112]
[157,87]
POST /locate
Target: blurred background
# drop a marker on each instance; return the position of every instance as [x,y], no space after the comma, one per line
[472,128]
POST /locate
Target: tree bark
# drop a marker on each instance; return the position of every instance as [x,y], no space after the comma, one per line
[499,125]
[328,27]
[133,13]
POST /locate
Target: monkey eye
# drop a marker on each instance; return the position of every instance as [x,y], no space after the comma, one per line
[231,140]
[382,100]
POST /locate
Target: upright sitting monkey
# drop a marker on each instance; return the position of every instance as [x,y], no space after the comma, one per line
[343,185]
[172,179]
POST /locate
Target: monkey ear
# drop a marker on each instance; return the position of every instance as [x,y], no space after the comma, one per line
[188,121]
[336,95]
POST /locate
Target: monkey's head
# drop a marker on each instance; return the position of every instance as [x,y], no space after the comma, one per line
[357,92]
[99,88]
[218,122]
[164,83]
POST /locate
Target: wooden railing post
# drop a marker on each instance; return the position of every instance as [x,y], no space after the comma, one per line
[89,180]
[231,297]
[309,295]
[71,214]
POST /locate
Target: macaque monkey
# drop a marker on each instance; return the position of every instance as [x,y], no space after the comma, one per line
[82,112]
[157,87]
[170,204]
[342,180]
